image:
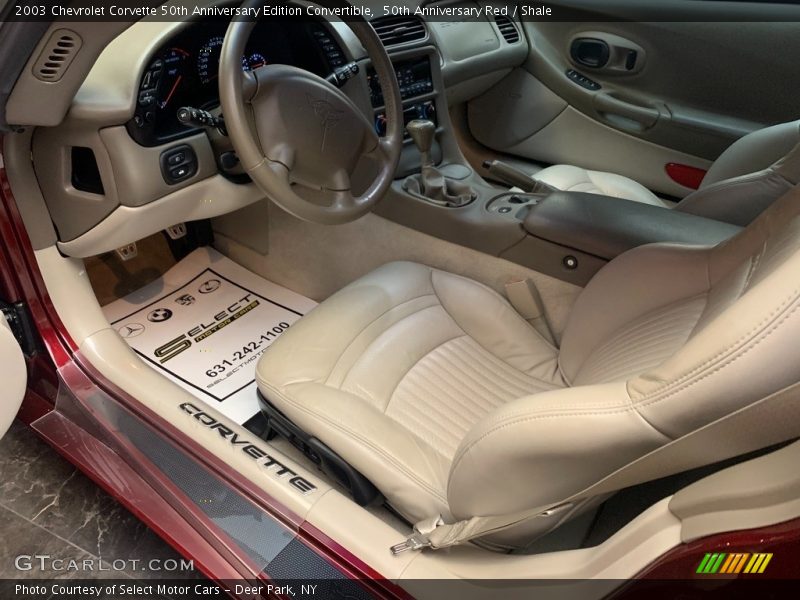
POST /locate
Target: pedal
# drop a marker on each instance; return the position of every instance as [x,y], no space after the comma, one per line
[127,252]
[177,231]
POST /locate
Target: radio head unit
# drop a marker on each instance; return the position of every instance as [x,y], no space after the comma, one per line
[413,76]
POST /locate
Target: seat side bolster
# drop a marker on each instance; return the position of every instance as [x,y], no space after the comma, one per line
[544,448]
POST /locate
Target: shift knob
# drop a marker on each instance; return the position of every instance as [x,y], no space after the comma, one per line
[422,132]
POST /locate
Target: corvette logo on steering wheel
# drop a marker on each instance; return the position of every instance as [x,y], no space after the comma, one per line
[328,116]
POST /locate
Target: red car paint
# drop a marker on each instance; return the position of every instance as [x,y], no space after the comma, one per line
[84,441]
[92,446]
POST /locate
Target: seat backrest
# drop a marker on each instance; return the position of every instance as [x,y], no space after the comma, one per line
[754,152]
[749,176]
[664,340]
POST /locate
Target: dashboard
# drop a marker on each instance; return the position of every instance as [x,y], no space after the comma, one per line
[185,69]
[121,151]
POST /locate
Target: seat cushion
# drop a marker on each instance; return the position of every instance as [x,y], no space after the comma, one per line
[575,179]
[396,368]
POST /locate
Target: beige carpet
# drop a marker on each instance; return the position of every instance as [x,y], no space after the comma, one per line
[317,260]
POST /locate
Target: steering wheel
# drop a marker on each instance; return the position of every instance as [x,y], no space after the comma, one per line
[292,130]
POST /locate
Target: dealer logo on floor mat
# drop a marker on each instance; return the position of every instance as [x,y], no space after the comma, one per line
[212,285]
[185,300]
[130,330]
[159,314]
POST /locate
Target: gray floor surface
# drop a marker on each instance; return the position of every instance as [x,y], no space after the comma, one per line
[48,508]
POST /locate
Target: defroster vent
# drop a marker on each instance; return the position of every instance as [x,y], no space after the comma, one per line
[394,31]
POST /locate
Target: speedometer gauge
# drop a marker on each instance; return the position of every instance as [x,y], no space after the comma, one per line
[171,74]
[208,60]
[253,61]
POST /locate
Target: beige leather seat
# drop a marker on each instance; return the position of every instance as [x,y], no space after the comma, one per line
[434,388]
[749,175]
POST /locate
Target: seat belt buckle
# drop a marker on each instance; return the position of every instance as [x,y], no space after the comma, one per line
[419,537]
[416,541]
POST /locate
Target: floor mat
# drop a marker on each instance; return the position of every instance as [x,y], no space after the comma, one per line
[205,324]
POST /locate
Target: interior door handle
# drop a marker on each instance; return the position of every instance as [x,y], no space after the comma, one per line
[589,52]
[645,116]
[606,53]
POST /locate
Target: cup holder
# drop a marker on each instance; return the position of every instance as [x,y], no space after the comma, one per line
[514,205]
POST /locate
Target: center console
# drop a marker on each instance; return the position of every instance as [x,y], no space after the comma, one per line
[416,90]
[571,235]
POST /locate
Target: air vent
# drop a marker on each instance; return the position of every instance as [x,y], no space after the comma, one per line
[57,55]
[507,28]
[399,30]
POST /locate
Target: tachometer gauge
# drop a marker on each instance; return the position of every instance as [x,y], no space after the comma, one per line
[208,60]
[253,61]
[171,75]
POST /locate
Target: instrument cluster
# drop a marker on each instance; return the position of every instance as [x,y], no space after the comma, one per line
[185,70]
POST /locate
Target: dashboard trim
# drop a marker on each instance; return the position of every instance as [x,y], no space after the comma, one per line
[211,197]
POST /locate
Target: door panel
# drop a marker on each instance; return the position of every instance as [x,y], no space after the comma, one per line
[679,91]
[15,376]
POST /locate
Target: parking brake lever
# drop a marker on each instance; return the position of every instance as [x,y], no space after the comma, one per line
[514,177]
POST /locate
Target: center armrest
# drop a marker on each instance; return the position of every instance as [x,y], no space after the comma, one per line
[606,227]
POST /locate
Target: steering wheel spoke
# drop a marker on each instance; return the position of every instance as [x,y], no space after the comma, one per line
[249,85]
[343,200]
[380,151]
[288,125]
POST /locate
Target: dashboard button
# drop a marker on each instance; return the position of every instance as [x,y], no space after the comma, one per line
[178,164]
[179,173]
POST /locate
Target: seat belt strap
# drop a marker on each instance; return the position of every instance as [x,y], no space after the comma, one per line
[769,421]
[525,298]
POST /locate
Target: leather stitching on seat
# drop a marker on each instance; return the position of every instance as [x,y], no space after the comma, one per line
[414,364]
[471,394]
[482,385]
[642,343]
[735,351]
[523,378]
[754,262]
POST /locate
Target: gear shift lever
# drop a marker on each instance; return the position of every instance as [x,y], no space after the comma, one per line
[430,183]
[422,132]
